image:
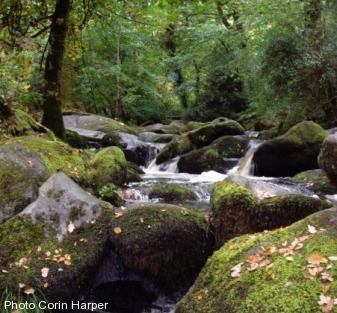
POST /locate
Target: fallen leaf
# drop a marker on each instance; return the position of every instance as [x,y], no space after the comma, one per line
[236,270]
[312,229]
[71,227]
[316,259]
[21,285]
[45,272]
[326,302]
[119,214]
[45,285]
[332,258]
[29,290]
[326,289]
[117,230]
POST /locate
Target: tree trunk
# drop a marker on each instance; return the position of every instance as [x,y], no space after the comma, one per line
[52,103]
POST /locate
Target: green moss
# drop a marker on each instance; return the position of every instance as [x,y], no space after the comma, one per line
[171,192]
[56,155]
[75,140]
[110,166]
[306,132]
[317,181]
[20,238]
[285,287]
[167,244]
[224,191]
[177,146]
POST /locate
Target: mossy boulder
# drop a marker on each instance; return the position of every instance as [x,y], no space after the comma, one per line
[198,138]
[95,123]
[28,161]
[235,211]
[220,156]
[279,281]
[110,166]
[171,192]
[317,181]
[230,204]
[294,152]
[64,232]
[165,244]
[327,157]
[75,140]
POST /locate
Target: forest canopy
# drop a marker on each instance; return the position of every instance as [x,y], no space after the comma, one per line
[265,63]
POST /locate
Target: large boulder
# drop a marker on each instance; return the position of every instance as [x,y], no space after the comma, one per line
[55,245]
[221,155]
[163,243]
[327,157]
[26,162]
[289,270]
[110,166]
[235,211]
[199,138]
[291,153]
[317,181]
[171,192]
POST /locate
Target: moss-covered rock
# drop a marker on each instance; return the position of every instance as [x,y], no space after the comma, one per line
[171,192]
[327,157]
[291,153]
[231,204]
[110,166]
[236,212]
[75,140]
[317,181]
[280,282]
[166,244]
[217,156]
[198,138]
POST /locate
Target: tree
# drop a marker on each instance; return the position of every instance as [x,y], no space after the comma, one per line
[52,104]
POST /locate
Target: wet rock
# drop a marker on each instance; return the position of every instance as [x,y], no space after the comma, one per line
[110,166]
[235,211]
[171,192]
[163,243]
[154,137]
[198,138]
[221,155]
[327,157]
[64,232]
[291,153]
[286,287]
[317,181]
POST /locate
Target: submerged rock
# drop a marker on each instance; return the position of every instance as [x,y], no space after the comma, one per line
[268,272]
[327,157]
[221,155]
[291,153]
[171,192]
[198,138]
[110,166]
[317,181]
[235,211]
[163,243]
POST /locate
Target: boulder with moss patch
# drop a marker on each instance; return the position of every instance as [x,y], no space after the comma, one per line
[327,157]
[291,153]
[235,211]
[166,244]
[198,138]
[317,181]
[62,235]
[110,166]
[222,155]
[171,192]
[280,281]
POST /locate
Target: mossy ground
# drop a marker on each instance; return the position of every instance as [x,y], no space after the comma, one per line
[35,244]
[171,192]
[286,287]
[164,243]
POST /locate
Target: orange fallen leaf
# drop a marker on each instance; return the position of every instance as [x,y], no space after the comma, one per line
[117,230]
[316,259]
[119,214]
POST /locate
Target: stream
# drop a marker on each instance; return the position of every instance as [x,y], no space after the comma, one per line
[113,283]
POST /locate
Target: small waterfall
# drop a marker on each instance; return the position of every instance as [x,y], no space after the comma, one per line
[245,167]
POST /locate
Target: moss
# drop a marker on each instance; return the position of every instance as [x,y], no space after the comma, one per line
[171,192]
[56,155]
[317,181]
[285,287]
[166,244]
[110,166]
[305,133]
[75,140]
[20,238]
[177,146]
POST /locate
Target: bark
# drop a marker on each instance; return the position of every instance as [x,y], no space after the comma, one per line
[52,102]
